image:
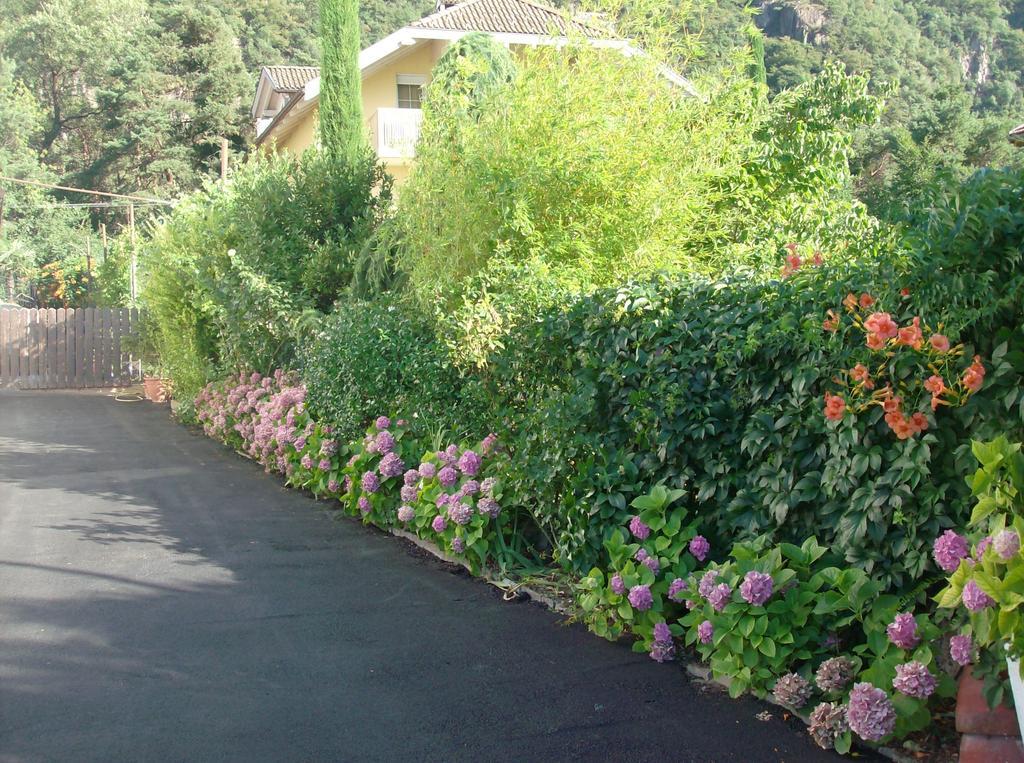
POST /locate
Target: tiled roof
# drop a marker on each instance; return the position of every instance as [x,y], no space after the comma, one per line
[291,79]
[508,16]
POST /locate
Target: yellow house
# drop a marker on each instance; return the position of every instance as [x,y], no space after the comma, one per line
[396,69]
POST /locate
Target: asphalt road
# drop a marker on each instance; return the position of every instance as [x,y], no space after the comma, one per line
[161,599]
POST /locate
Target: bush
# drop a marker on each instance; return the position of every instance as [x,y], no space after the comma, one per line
[716,388]
[383,356]
[233,275]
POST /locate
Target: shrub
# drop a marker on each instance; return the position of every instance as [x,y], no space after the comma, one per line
[384,356]
[628,175]
[232,274]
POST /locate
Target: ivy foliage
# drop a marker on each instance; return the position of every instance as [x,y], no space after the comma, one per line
[715,387]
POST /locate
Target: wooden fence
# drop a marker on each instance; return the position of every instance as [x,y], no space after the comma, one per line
[62,349]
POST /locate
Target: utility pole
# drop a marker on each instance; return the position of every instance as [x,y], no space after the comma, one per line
[131,238]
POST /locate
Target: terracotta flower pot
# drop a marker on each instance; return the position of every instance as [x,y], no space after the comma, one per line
[989,735]
[156,389]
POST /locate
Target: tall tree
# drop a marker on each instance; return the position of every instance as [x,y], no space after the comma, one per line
[341,83]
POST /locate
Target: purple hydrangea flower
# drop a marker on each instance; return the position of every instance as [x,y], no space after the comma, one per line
[333,486]
[382,422]
[1007,544]
[324,465]
[828,721]
[409,493]
[662,652]
[391,466]
[411,477]
[328,447]
[979,549]
[442,500]
[617,585]
[300,443]
[460,513]
[472,487]
[756,587]
[427,470]
[307,461]
[961,649]
[439,524]
[458,545]
[348,484]
[640,597]
[384,442]
[834,674]
[699,547]
[448,476]
[652,563]
[974,598]
[469,463]
[662,633]
[641,554]
[948,549]
[662,649]
[792,690]
[488,443]
[369,482]
[707,583]
[705,632]
[406,514]
[364,504]
[870,713]
[488,506]
[676,589]
[902,631]
[488,485]
[639,529]
[914,680]
[720,596]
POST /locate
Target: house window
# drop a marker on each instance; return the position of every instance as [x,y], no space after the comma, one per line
[410,91]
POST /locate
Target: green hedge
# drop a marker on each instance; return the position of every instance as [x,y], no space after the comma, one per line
[715,387]
[380,356]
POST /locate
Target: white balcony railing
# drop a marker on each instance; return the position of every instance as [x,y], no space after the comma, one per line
[395,132]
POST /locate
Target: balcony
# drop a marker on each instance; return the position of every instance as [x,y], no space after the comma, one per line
[395,132]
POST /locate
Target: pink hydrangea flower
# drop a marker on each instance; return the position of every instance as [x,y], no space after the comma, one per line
[705,632]
[406,514]
[756,587]
[870,713]
[720,596]
[699,547]
[948,549]
[961,649]
[974,598]
[640,597]
[617,586]
[439,524]
[914,680]
[639,529]
[1007,544]
[902,631]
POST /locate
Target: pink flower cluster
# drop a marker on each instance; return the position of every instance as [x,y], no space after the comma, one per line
[262,415]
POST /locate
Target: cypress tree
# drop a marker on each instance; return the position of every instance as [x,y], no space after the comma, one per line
[756,68]
[342,130]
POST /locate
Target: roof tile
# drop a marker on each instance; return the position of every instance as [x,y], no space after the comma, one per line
[508,16]
[291,79]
